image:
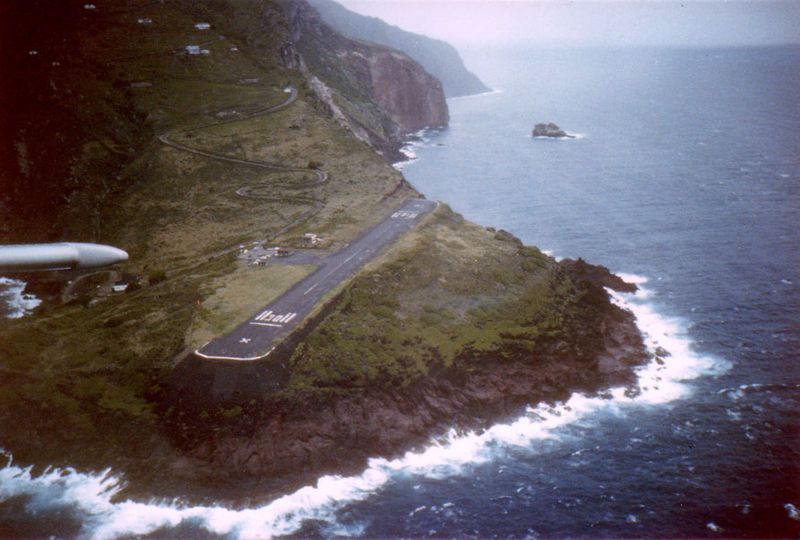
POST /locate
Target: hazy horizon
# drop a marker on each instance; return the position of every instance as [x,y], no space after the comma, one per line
[468,23]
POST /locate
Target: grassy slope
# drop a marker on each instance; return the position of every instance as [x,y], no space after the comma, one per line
[450,294]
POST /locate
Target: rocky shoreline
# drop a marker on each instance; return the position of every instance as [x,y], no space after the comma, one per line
[275,446]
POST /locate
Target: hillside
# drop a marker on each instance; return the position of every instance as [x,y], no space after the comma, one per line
[93,87]
[439,58]
[171,129]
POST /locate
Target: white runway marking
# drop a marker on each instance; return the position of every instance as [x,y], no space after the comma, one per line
[269,318]
[405,214]
[360,250]
[314,286]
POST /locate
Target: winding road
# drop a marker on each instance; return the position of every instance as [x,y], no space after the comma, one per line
[322,176]
[244,191]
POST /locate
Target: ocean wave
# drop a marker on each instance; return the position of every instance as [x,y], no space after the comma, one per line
[18,303]
[737,392]
[553,255]
[569,137]
[420,139]
[661,381]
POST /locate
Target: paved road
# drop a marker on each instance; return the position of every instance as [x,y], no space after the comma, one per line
[257,337]
[322,176]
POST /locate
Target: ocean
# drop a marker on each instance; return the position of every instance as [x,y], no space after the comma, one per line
[684,176]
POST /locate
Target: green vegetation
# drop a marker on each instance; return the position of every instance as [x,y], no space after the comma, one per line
[454,294]
[233,297]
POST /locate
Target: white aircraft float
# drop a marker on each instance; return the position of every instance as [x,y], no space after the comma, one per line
[58,256]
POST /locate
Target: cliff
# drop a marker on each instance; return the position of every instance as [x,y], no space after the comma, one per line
[379,93]
[439,58]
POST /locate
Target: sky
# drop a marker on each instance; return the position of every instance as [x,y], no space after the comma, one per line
[467,23]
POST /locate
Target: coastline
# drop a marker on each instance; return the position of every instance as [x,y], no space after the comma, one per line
[114,514]
[279,445]
[464,383]
[295,441]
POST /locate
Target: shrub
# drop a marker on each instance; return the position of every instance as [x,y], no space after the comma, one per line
[156,276]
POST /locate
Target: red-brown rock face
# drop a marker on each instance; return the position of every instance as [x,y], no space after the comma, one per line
[413,98]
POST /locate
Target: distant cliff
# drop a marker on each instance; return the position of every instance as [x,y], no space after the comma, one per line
[379,93]
[440,59]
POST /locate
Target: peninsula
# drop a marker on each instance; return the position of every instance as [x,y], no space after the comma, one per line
[189,133]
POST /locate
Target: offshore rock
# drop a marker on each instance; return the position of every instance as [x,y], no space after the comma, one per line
[550,130]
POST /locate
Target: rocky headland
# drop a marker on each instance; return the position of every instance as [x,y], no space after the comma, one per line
[320,421]
[378,93]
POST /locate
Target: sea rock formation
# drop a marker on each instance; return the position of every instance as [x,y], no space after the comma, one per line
[550,130]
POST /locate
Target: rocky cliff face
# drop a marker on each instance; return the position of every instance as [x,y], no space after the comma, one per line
[379,93]
[412,98]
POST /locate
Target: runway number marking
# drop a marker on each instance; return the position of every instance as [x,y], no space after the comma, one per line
[404,214]
[269,318]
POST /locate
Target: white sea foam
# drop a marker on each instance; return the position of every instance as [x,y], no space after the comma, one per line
[18,302]
[420,139]
[472,96]
[90,495]
[569,137]
[409,152]
[550,253]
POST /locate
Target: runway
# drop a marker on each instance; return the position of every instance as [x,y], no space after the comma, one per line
[255,338]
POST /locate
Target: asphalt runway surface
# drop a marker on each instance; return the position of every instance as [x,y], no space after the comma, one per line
[255,338]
